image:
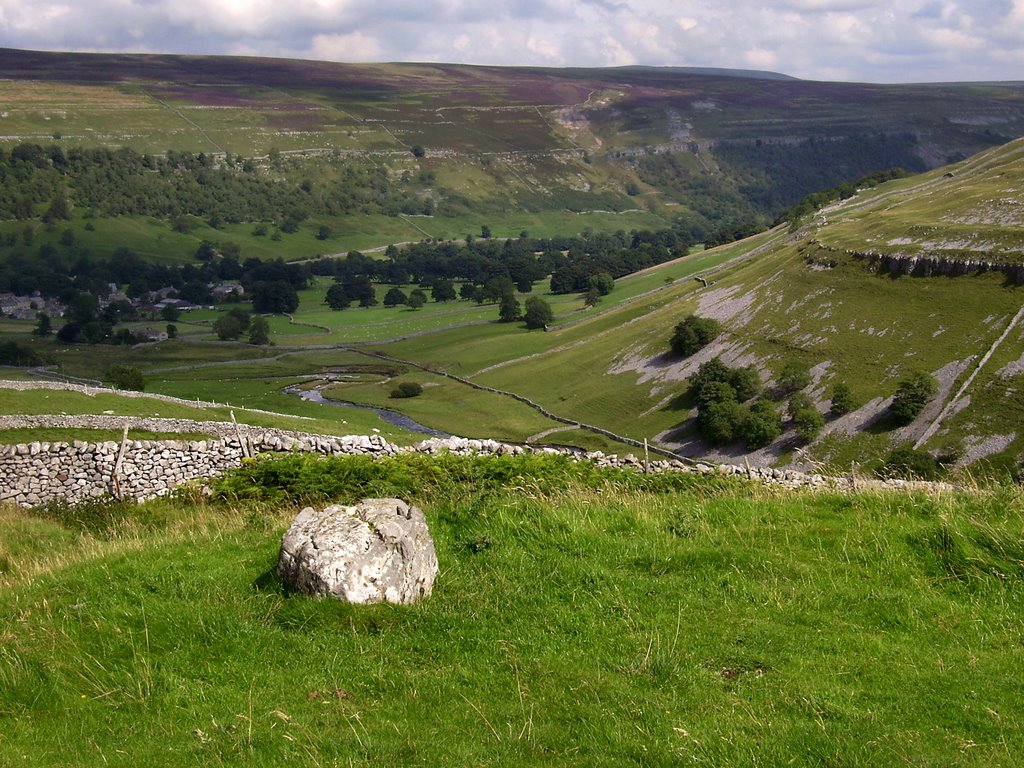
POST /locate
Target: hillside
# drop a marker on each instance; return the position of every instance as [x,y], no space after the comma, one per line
[841,297]
[334,157]
[918,275]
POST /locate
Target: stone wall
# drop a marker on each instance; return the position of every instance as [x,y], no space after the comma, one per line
[36,473]
[40,472]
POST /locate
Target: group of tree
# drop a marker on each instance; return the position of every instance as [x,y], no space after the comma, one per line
[693,334]
[818,200]
[733,406]
[46,181]
[575,264]
[755,182]
[13,353]
[395,296]
[231,325]
[726,408]
[61,274]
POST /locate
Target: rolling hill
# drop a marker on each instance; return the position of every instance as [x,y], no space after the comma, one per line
[918,275]
[871,290]
[439,150]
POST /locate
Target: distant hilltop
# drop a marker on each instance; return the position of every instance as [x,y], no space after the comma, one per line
[752,74]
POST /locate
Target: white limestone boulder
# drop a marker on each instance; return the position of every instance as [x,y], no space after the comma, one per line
[377,551]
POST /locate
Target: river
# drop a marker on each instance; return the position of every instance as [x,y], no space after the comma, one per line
[391,417]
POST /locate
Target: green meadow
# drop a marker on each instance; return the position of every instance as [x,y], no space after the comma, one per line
[581,617]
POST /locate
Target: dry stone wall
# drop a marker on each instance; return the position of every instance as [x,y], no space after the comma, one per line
[36,473]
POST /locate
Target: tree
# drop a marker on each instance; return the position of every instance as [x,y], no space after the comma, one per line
[808,422]
[82,308]
[467,291]
[359,288]
[337,298]
[170,313]
[125,377]
[274,296]
[206,251]
[718,421]
[603,282]
[746,381]
[172,331]
[912,395]
[324,232]
[394,297]
[911,464]
[509,310]
[259,331]
[761,424]
[538,313]
[407,389]
[798,401]
[497,287]
[95,331]
[69,332]
[842,399]
[58,209]
[228,327]
[793,376]
[694,333]
[443,290]
[485,232]
[44,327]
[715,392]
[417,298]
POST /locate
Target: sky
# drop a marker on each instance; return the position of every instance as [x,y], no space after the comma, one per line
[885,41]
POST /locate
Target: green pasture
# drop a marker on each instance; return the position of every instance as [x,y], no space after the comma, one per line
[446,403]
[966,211]
[580,618]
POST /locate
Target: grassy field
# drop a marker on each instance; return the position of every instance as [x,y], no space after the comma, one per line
[577,620]
[156,239]
[966,211]
[294,414]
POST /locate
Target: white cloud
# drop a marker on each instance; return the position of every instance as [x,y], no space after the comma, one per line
[760,58]
[351,47]
[546,49]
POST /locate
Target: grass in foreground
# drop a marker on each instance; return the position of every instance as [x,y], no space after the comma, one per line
[581,617]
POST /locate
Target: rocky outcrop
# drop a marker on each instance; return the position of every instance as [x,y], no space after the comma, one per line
[377,551]
[915,265]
